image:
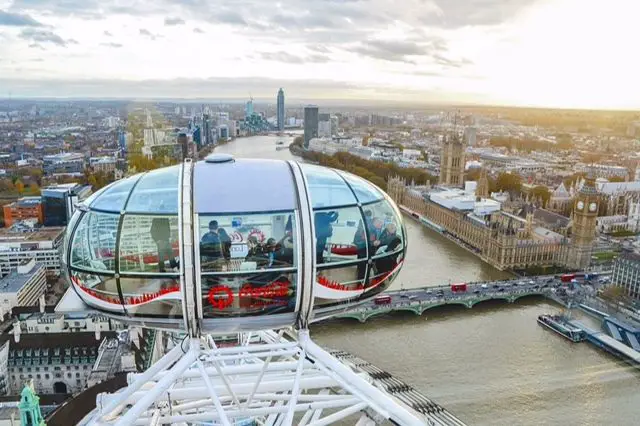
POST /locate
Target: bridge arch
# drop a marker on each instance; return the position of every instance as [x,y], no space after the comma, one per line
[425,308]
[489,299]
[527,295]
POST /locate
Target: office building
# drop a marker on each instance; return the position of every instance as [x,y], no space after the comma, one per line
[68,162]
[26,208]
[310,124]
[23,286]
[324,125]
[626,273]
[21,243]
[105,165]
[280,111]
[59,202]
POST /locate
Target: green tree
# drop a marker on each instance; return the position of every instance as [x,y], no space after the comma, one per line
[19,186]
[34,189]
[614,295]
[541,192]
[509,182]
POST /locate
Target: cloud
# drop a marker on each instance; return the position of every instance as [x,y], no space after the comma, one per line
[114,45]
[390,50]
[198,30]
[229,17]
[147,33]
[44,36]
[8,19]
[461,13]
[173,21]
[212,88]
[293,59]
[448,62]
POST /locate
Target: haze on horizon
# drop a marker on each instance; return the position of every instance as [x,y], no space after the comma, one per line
[545,53]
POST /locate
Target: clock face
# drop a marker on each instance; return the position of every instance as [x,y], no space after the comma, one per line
[580,205]
[593,207]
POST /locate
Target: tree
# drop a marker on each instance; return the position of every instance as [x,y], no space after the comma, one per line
[93,182]
[615,295]
[34,189]
[473,174]
[541,192]
[510,182]
[19,186]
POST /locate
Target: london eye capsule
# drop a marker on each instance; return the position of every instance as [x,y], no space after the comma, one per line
[225,245]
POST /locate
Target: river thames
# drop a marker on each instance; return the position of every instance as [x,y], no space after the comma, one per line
[490,365]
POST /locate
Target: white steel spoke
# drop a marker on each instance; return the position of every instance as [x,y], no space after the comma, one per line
[268,378]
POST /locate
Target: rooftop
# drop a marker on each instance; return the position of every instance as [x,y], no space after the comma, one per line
[27,202]
[56,340]
[41,234]
[14,281]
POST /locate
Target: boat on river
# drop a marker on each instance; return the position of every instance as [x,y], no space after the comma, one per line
[560,325]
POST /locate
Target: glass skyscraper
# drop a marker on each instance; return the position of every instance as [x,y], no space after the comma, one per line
[310,124]
[280,109]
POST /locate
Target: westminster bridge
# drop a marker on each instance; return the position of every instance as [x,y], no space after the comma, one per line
[419,300]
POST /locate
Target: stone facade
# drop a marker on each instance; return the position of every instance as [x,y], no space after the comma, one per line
[452,162]
[504,240]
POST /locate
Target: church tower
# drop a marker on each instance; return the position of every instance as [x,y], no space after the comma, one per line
[452,162]
[585,213]
[30,414]
[482,188]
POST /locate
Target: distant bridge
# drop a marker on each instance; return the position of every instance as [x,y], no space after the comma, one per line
[419,300]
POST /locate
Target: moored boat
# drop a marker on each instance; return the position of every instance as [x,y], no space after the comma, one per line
[560,325]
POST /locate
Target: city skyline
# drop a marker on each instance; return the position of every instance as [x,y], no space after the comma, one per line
[542,53]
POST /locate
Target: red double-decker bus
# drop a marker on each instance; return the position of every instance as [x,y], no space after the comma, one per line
[459,288]
[382,300]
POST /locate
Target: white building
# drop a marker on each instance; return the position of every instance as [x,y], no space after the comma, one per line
[42,244]
[22,287]
[111,122]
[603,170]
[103,164]
[464,200]
[411,154]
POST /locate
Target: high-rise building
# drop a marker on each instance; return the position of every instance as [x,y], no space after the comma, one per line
[626,273]
[452,162]
[585,213]
[280,112]
[59,202]
[310,124]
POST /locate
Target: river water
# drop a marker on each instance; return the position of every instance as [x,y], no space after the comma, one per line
[490,365]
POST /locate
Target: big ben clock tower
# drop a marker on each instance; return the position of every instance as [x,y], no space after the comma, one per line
[585,213]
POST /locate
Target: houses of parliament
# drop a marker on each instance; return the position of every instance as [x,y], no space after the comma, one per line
[517,237]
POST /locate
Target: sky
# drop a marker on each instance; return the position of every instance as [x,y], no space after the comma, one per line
[547,53]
